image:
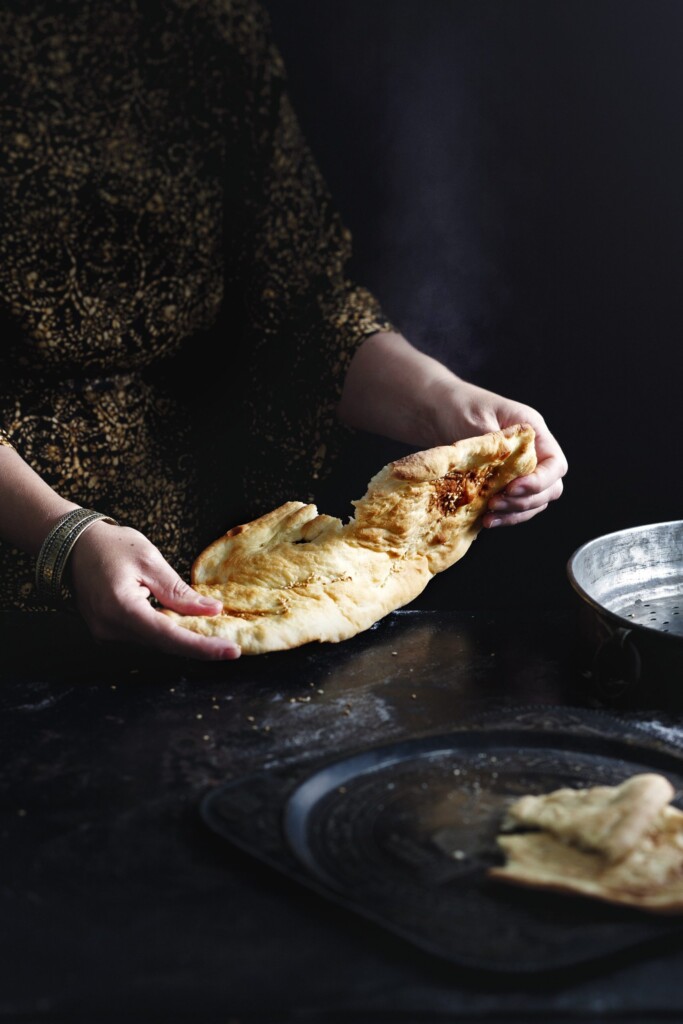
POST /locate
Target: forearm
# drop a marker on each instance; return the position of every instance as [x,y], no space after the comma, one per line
[393,389]
[29,507]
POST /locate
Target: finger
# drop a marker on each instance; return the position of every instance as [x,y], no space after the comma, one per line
[544,476]
[505,503]
[552,466]
[173,592]
[155,629]
[494,519]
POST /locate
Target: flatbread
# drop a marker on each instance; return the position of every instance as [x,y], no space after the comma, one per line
[634,858]
[609,819]
[294,576]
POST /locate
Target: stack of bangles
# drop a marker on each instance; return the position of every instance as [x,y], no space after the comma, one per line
[56,549]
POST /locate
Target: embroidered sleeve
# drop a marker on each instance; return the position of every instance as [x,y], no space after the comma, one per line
[305,317]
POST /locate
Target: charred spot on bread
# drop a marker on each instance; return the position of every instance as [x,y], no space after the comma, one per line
[459,488]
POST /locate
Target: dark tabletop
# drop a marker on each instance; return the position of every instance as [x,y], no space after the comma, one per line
[118,903]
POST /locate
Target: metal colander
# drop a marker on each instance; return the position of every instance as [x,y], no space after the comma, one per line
[631,587]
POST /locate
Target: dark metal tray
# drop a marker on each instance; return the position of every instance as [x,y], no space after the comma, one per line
[377,832]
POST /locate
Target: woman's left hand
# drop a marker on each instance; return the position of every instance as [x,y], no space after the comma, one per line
[470,410]
[393,389]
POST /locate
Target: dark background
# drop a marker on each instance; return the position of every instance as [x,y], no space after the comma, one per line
[511,172]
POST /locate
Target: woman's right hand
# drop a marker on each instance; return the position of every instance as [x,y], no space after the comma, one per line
[114,570]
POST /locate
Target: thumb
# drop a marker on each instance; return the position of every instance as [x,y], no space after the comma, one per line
[173,592]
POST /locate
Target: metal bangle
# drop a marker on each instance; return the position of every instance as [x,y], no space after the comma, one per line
[57,547]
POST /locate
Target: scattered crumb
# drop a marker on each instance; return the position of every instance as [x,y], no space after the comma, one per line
[458,855]
[250,718]
[199,716]
[320,692]
[113,686]
[21,812]
[215,707]
[342,789]
[413,696]
[205,737]
[172,689]
[394,654]
[134,671]
[303,700]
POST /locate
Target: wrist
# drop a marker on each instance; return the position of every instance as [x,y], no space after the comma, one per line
[56,550]
[46,520]
[394,389]
[444,408]
[462,409]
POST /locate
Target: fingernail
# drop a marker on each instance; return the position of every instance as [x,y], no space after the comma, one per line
[498,503]
[516,491]
[494,522]
[208,602]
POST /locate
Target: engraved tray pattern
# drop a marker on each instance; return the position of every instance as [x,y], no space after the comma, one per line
[375,832]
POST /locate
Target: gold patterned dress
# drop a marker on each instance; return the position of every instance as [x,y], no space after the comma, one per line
[175,318]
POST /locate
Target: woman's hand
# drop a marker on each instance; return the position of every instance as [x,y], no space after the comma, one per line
[114,570]
[465,410]
[392,388]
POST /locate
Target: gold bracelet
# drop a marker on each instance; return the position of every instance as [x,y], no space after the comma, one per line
[57,547]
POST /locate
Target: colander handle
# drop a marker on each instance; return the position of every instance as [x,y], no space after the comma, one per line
[616,664]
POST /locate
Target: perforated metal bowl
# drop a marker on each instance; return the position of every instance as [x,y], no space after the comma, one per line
[631,622]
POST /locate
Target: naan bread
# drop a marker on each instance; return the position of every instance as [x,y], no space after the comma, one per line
[609,819]
[294,576]
[633,857]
